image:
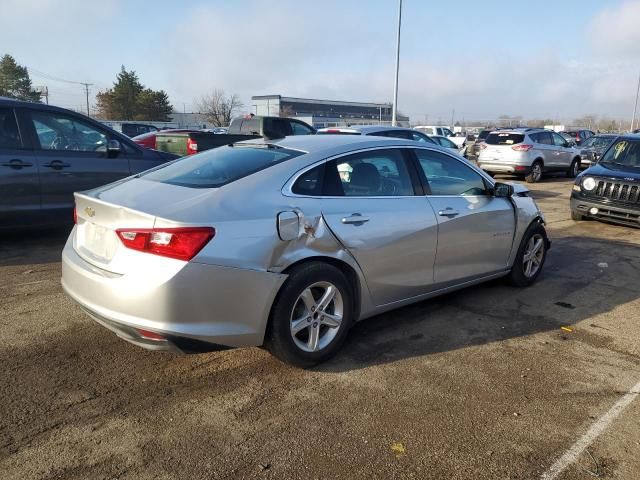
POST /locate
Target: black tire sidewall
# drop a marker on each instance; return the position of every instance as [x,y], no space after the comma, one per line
[517,276]
[278,339]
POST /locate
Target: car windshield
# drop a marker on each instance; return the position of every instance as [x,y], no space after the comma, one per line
[623,152]
[220,166]
[504,138]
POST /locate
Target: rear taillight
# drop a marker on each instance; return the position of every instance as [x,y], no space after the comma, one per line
[192,146]
[522,147]
[180,243]
[483,146]
[75,216]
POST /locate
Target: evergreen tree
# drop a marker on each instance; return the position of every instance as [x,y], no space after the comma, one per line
[15,81]
[130,100]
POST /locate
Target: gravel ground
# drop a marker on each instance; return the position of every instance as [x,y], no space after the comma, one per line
[482,383]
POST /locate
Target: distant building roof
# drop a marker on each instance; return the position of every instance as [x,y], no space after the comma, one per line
[321,102]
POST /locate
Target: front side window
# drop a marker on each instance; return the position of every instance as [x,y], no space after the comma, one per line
[61,132]
[445,142]
[558,141]
[448,176]
[447,132]
[9,133]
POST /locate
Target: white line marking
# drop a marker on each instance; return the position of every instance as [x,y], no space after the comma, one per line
[596,429]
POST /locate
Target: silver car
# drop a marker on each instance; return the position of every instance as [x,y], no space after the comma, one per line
[529,152]
[287,243]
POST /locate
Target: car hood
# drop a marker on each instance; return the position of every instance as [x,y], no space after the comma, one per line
[613,171]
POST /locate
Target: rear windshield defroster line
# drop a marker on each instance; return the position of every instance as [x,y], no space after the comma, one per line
[219,166]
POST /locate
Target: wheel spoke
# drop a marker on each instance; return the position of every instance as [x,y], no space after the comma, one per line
[537,247]
[314,337]
[331,320]
[527,268]
[307,298]
[329,293]
[299,325]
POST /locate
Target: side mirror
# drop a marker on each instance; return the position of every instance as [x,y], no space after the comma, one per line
[113,148]
[502,190]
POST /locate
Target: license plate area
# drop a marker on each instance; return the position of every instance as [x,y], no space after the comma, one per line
[96,241]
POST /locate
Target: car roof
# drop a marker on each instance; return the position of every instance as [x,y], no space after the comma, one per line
[364,129]
[325,143]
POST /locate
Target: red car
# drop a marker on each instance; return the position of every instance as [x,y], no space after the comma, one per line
[148,140]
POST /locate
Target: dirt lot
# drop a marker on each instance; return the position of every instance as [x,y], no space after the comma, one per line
[482,383]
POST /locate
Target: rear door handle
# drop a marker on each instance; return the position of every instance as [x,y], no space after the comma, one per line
[449,212]
[16,163]
[355,218]
[56,164]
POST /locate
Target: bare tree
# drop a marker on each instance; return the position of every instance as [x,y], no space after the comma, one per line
[218,108]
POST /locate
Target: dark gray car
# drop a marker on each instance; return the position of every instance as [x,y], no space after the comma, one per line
[593,148]
[47,153]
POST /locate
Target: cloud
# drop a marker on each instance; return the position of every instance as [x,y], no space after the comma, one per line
[615,32]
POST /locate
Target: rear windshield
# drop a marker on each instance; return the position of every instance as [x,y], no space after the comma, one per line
[499,138]
[219,166]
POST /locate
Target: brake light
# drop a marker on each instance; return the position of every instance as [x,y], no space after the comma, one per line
[75,216]
[333,131]
[179,243]
[192,146]
[522,147]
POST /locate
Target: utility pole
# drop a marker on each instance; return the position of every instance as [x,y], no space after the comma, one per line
[86,90]
[394,116]
[453,114]
[635,106]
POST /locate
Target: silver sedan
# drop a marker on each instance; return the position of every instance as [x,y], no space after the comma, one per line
[287,243]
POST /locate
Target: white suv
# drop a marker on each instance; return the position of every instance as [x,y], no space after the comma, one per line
[529,152]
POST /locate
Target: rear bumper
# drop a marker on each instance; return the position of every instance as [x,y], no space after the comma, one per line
[514,168]
[201,307]
[607,212]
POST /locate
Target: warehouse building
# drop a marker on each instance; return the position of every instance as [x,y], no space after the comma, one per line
[325,113]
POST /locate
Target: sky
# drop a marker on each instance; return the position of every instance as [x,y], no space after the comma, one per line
[537,59]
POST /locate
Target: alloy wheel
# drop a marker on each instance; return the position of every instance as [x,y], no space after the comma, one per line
[533,255]
[537,172]
[316,316]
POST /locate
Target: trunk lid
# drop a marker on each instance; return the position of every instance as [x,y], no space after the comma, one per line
[135,203]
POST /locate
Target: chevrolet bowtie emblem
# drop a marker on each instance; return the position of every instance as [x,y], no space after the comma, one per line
[90,211]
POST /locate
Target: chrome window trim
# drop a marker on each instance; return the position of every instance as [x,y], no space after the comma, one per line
[287,188]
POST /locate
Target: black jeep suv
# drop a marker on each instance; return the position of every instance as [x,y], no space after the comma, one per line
[610,190]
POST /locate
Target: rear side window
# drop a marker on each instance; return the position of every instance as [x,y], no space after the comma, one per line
[301,129]
[276,127]
[544,138]
[378,173]
[219,166]
[9,133]
[499,138]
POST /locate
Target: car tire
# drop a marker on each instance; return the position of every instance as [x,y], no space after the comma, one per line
[535,175]
[297,333]
[574,168]
[521,275]
[576,216]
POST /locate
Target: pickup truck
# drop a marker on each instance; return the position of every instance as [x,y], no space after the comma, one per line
[241,128]
[443,131]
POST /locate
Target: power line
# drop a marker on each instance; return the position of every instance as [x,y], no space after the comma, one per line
[86,85]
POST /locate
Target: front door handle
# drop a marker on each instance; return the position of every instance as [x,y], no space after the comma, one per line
[16,163]
[355,218]
[449,212]
[56,164]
